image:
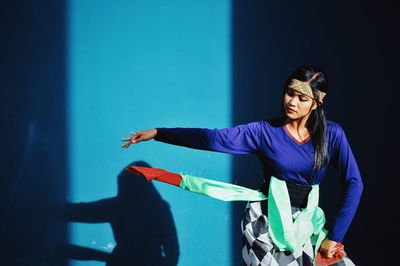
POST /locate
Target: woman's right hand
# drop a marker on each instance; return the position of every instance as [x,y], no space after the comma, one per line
[139,137]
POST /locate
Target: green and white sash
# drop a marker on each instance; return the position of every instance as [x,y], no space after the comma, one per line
[286,232]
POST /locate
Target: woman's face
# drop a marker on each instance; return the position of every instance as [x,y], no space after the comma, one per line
[297,105]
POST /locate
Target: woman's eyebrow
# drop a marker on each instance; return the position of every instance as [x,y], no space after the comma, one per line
[298,93]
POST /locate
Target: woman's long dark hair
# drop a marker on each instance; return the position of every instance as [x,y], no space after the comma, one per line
[316,123]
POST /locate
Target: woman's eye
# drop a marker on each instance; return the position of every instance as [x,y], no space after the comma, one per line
[289,92]
[303,99]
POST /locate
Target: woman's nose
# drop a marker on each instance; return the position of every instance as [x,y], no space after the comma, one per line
[293,101]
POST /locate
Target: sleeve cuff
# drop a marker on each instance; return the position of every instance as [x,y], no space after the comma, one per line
[335,237]
[160,131]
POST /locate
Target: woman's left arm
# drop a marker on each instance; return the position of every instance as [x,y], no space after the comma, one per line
[344,161]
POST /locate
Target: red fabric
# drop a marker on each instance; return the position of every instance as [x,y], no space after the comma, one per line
[338,256]
[157,174]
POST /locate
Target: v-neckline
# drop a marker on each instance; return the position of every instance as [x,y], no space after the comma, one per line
[293,138]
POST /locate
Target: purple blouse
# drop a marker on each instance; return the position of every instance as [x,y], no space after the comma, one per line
[282,156]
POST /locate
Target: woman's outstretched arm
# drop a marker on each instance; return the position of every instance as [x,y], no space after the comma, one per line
[242,139]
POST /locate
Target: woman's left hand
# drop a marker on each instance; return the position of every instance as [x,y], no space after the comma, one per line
[328,248]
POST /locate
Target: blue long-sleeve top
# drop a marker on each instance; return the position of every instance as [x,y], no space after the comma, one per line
[282,156]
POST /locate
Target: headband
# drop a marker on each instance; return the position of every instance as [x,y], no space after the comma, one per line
[305,88]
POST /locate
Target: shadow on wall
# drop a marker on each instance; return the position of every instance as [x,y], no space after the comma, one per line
[33,153]
[141,222]
[30,227]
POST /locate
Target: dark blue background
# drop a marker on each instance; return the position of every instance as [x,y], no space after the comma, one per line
[354,42]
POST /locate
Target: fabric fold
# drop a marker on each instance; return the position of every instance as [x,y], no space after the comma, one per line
[157,174]
[220,190]
[287,234]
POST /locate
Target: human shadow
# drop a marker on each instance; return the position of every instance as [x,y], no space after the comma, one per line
[141,222]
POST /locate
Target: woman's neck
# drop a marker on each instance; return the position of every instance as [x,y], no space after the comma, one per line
[297,127]
[298,124]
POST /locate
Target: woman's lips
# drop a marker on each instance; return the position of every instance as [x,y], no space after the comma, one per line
[291,110]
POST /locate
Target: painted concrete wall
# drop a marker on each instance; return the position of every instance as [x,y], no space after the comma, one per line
[137,65]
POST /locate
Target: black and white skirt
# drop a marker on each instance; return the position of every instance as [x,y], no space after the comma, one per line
[258,248]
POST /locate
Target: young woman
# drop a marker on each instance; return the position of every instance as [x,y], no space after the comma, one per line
[295,149]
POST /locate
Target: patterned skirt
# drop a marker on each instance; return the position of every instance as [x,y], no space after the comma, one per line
[258,249]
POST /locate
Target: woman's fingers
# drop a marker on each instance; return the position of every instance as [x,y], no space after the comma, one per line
[325,253]
[328,248]
[139,137]
[126,145]
[136,138]
[133,140]
[329,252]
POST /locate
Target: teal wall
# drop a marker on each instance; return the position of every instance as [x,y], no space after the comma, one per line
[136,65]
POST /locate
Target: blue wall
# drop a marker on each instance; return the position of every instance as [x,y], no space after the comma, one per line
[139,65]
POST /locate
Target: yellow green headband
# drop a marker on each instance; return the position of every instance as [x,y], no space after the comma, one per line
[305,88]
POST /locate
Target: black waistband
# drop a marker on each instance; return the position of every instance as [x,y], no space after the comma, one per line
[298,194]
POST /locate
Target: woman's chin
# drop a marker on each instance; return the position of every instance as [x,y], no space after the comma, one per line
[291,116]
